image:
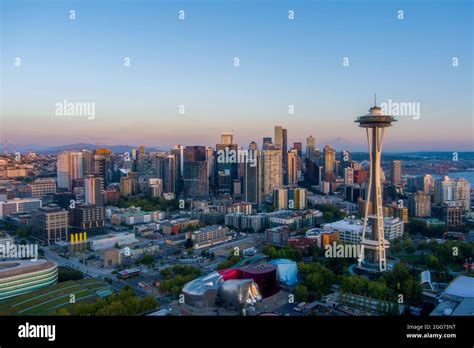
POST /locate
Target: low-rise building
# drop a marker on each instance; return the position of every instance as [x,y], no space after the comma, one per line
[110,257]
[247,223]
[178,225]
[295,219]
[350,230]
[42,187]
[393,228]
[277,236]
[209,235]
[20,220]
[87,217]
[326,237]
[457,299]
[19,205]
[50,224]
[110,240]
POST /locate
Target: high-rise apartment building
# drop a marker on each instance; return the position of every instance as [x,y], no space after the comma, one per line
[396,173]
[453,192]
[463,193]
[310,148]
[227,138]
[266,143]
[284,154]
[419,204]
[299,147]
[103,165]
[292,166]
[155,187]
[297,198]
[280,198]
[278,136]
[88,162]
[427,183]
[126,186]
[329,163]
[170,174]
[69,167]
[348,176]
[196,177]
[178,152]
[252,179]
[93,190]
[272,170]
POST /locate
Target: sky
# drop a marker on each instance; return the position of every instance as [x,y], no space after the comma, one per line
[174,64]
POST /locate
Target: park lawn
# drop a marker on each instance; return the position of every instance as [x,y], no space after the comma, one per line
[412,259]
[43,300]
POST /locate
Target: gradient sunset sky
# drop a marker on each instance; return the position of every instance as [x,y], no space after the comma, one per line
[282,62]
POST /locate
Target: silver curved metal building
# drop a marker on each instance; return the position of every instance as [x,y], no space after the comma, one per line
[237,293]
[202,291]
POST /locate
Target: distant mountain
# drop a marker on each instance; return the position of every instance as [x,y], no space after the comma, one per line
[407,156]
[78,147]
[356,156]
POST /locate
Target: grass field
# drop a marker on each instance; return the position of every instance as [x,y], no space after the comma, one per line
[48,300]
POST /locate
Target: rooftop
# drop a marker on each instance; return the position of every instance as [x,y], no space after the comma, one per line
[462,286]
[21,267]
[346,224]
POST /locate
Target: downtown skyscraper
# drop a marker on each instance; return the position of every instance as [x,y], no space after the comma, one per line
[281,142]
[329,163]
[252,180]
[93,190]
[272,170]
[226,172]
[196,177]
[310,148]
[69,167]
[396,173]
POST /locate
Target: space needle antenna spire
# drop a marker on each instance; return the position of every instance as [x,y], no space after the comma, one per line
[374,245]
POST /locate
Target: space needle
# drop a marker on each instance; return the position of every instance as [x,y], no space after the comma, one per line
[373,248]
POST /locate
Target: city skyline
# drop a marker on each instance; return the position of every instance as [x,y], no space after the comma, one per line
[173,160]
[189,62]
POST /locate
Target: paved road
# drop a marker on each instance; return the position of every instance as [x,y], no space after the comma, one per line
[73,262]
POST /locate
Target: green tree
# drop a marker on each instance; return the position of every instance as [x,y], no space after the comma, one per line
[66,274]
[147,259]
[317,278]
[422,245]
[189,243]
[396,246]
[176,277]
[301,293]
[409,246]
[432,262]
[166,272]
[63,311]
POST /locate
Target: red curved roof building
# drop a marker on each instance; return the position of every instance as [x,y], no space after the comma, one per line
[265,275]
